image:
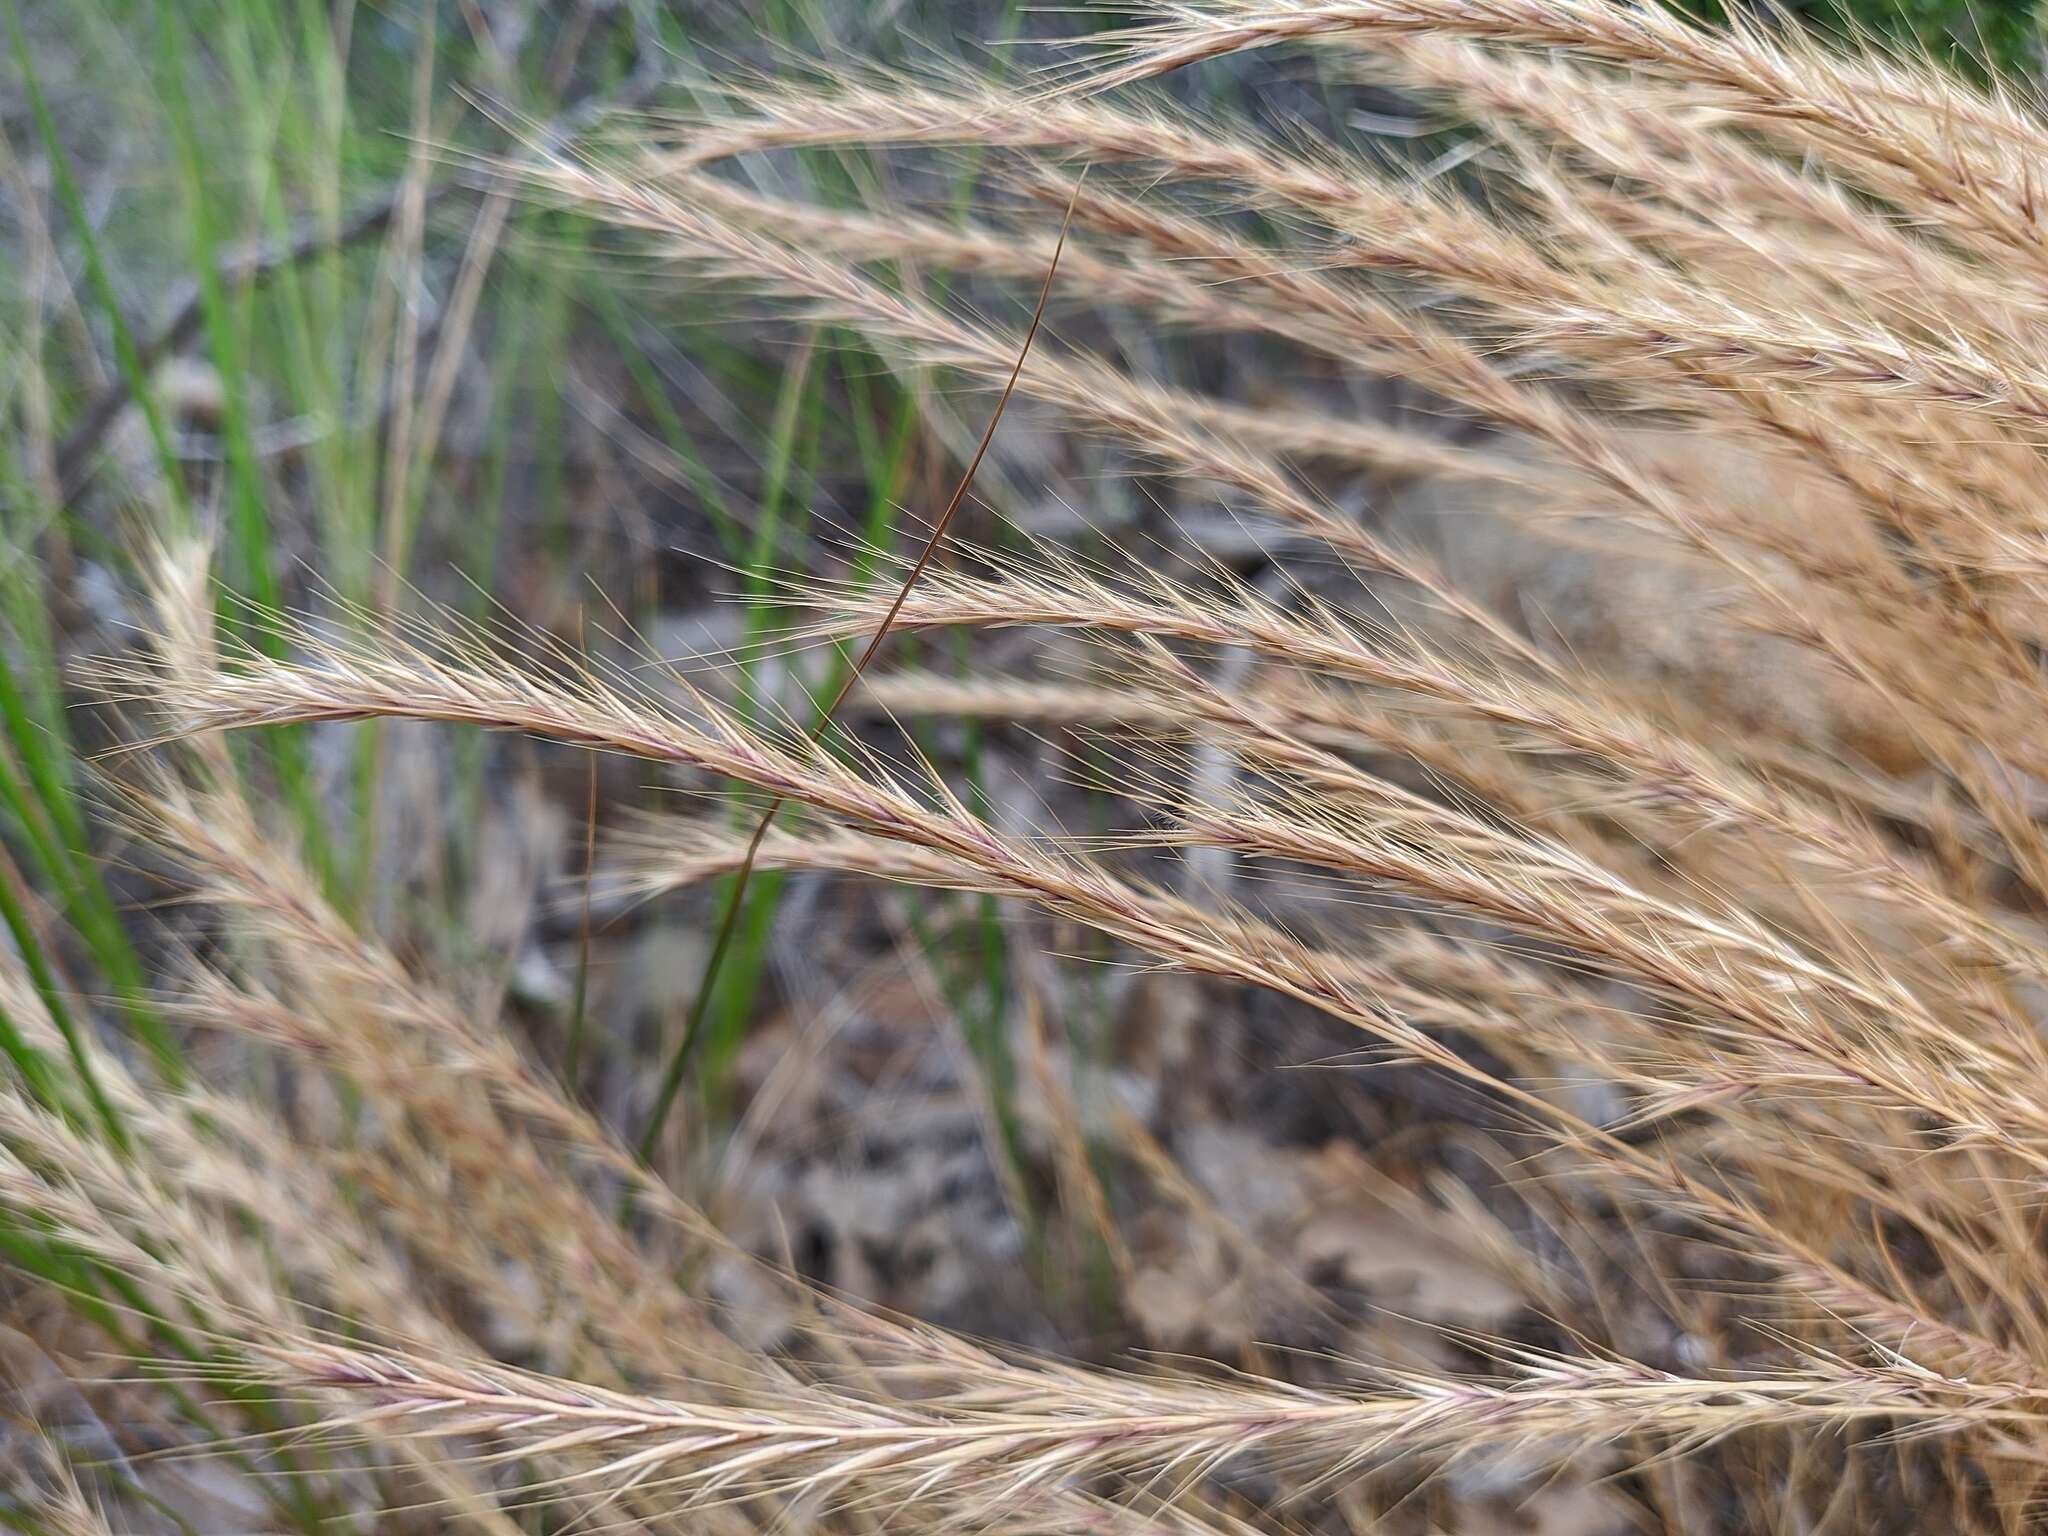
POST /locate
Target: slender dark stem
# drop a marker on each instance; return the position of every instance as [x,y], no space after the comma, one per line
[728,923]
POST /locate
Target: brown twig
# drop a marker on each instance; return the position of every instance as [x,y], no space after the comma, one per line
[243,268]
[258,264]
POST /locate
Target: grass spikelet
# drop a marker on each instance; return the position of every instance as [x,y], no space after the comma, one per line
[1082,1424]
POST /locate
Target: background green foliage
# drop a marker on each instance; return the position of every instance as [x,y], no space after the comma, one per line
[1965,33]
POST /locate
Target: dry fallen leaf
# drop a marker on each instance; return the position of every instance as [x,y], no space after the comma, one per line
[1556,1509]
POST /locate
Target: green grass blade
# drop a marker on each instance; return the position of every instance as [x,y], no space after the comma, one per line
[248,518]
[127,355]
[30,1062]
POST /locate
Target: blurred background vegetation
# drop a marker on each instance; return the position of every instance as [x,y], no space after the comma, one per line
[1977,36]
